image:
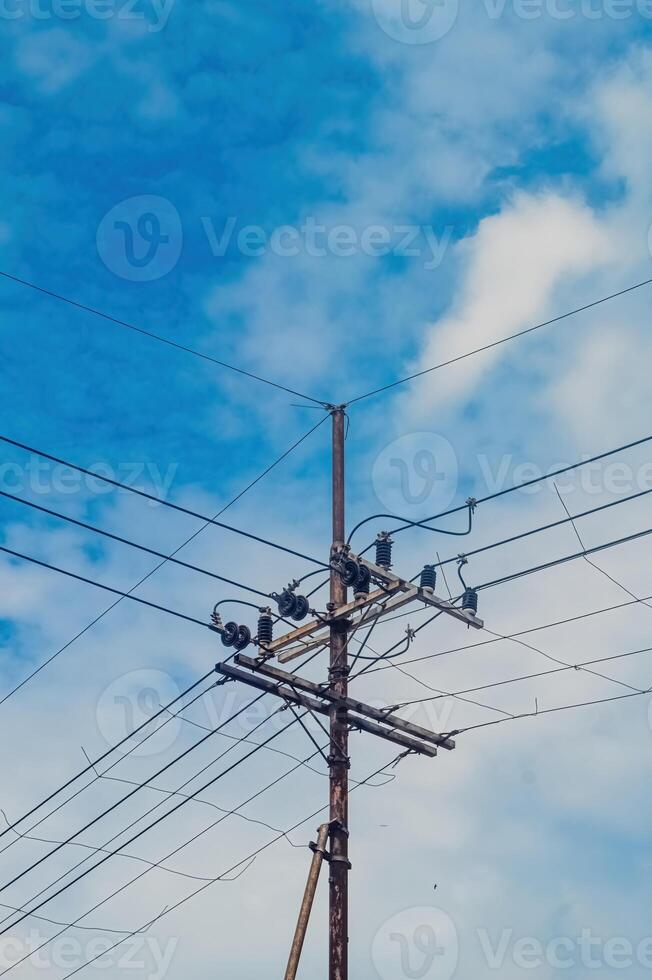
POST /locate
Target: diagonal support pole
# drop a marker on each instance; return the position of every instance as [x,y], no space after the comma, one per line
[319,852]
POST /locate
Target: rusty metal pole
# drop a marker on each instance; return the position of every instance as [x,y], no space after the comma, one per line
[339,732]
[319,850]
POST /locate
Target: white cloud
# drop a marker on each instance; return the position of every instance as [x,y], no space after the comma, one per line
[514,264]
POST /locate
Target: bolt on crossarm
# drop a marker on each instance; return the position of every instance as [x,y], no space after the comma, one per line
[339,731]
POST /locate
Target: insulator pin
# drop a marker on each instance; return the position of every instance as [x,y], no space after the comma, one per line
[470,601]
[384,550]
[265,627]
[428,577]
[292,606]
[363,583]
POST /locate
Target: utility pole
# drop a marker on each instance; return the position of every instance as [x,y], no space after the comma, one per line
[339,729]
[334,629]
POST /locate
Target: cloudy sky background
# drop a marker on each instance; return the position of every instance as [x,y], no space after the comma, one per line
[517,148]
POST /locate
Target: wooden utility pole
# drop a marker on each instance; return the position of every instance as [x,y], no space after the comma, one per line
[339,730]
[334,629]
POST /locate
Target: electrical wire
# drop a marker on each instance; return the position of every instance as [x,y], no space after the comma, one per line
[183,802]
[230,870]
[97,776]
[530,677]
[535,569]
[128,796]
[503,340]
[593,565]
[132,544]
[526,632]
[543,527]
[551,711]
[73,779]
[146,783]
[106,588]
[470,505]
[164,503]
[406,523]
[160,565]
[123,887]
[186,798]
[154,336]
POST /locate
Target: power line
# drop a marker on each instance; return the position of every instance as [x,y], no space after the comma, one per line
[106,588]
[546,527]
[158,864]
[164,503]
[222,877]
[186,798]
[526,632]
[534,569]
[144,830]
[160,565]
[593,565]
[132,544]
[551,711]
[530,677]
[406,523]
[544,567]
[97,777]
[128,796]
[503,340]
[15,823]
[146,783]
[157,337]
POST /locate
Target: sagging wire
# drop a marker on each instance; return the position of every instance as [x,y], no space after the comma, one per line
[471,504]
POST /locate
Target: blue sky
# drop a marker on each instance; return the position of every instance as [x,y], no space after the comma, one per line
[325,196]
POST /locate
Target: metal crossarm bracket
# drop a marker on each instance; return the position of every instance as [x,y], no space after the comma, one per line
[390,734]
[395,593]
[351,704]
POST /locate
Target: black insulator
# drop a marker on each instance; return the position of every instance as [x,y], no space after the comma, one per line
[349,571]
[428,577]
[384,551]
[229,634]
[302,608]
[243,638]
[265,628]
[287,603]
[363,581]
[470,601]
